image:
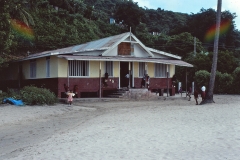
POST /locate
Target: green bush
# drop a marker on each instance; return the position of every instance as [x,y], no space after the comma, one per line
[11,93]
[2,96]
[202,78]
[223,83]
[236,80]
[32,95]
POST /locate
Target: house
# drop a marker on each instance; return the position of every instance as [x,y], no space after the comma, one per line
[112,21]
[96,67]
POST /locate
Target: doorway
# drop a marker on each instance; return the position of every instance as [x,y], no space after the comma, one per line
[123,72]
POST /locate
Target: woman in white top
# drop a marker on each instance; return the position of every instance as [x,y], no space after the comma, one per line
[203,89]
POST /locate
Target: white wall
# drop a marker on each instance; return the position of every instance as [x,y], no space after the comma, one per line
[139,51]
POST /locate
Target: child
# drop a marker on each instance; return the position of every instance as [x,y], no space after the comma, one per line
[180,91]
[70,97]
[189,93]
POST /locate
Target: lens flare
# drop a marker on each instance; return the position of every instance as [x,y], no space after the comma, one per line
[224,28]
[22,30]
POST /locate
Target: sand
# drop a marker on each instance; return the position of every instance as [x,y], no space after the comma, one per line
[171,129]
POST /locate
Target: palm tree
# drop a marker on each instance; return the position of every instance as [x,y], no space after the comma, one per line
[17,10]
[209,96]
[11,10]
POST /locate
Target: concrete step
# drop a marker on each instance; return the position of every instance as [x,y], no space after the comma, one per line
[115,96]
[118,94]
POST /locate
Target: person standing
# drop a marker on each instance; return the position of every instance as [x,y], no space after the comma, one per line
[180,91]
[196,96]
[147,80]
[203,94]
[105,80]
[127,79]
[66,88]
[189,93]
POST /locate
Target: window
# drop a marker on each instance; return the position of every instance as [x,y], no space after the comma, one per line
[78,68]
[124,49]
[47,66]
[33,69]
[141,69]
[160,70]
[109,68]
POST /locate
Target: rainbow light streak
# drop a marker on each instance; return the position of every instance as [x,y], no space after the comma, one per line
[224,27]
[22,29]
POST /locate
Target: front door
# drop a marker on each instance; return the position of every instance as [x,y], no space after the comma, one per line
[124,81]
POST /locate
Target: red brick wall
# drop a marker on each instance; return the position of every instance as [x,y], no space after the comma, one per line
[56,85]
[155,83]
[85,84]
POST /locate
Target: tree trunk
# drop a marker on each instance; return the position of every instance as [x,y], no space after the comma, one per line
[209,96]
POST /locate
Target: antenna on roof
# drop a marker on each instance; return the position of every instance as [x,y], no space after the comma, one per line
[132,47]
[130,34]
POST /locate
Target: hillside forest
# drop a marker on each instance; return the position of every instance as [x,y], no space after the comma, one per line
[53,24]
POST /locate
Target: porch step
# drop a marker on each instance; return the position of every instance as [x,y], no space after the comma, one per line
[115,96]
[117,93]
[133,93]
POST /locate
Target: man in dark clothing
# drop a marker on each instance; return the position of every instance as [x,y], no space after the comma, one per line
[105,80]
[196,96]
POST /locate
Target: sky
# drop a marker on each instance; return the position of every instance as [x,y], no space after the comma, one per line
[193,6]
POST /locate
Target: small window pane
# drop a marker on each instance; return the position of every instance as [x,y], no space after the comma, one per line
[141,69]
[33,69]
[109,68]
[160,70]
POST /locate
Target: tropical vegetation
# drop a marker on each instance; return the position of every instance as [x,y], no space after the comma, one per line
[31,95]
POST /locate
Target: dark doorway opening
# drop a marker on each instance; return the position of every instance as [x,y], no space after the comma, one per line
[123,72]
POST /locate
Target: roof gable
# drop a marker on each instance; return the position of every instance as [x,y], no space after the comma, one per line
[128,37]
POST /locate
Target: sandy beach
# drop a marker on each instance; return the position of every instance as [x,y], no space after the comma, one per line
[171,129]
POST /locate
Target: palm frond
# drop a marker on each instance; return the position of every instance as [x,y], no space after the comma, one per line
[29,17]
[23,17]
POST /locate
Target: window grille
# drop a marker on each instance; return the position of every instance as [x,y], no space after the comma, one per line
[160,70]
[48,67]
[33,69]
[78,68]
[109,68]
[141,69]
